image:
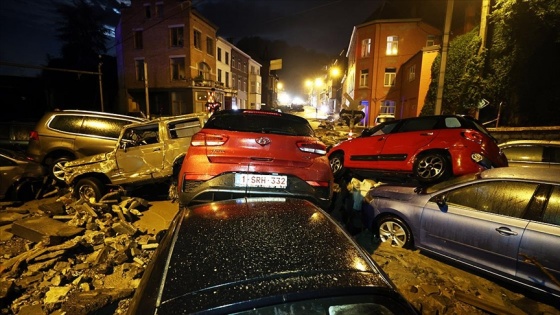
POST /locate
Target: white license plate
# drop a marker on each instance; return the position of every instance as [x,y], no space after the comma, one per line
[256,180]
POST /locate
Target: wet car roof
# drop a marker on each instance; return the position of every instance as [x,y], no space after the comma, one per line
[291,247]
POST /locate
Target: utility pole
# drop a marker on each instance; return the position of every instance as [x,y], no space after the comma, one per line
[444,49]
[483,32]
[146,89]
[100,82]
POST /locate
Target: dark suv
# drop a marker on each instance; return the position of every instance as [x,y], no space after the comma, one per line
[62,136]
[241,153]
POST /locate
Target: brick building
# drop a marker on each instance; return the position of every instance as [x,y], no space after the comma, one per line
[166,55]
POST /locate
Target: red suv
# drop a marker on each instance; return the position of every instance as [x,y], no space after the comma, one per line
[243,153]
[430,148]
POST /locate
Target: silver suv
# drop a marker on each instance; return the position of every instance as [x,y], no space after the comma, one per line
[150,152]
[62,136]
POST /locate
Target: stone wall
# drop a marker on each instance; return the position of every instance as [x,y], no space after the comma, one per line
[503,134]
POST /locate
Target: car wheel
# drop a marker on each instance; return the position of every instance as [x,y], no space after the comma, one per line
[57,168]
[432,167]
[337,165]
[395,231]
[87,188]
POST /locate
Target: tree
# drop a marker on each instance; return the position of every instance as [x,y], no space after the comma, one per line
[522,68]
[518,69]
[83,48]
[464,84]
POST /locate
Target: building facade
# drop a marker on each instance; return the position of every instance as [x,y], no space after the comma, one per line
[255,85]
[240,76]
[376,53]
[166,55]
[415,81]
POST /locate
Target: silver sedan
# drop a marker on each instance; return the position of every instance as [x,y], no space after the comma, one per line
[505,222]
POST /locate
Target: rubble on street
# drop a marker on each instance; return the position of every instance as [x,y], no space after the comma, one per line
[72,256]
[66,256]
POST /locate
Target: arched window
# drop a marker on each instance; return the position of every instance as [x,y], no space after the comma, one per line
[204,70]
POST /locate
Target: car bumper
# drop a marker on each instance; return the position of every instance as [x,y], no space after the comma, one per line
[222,187]
[467,163]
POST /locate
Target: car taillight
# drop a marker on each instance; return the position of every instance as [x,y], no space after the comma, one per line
[473,136]
[33,135]
[203,139]
[318,184]
[312,147]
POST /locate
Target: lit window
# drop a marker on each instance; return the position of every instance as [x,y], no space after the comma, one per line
[431,41]
[138,43]
[176,36]
[366,47]
[204,70]
[392,45]
[177,68]
[139,65]
[364,77]
[390,75]
[387,107]
[210,46]
[197,39]
[412,73]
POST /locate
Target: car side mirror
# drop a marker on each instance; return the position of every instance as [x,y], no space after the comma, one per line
[441,201]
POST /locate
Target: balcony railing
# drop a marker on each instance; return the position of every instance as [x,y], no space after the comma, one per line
[207,83]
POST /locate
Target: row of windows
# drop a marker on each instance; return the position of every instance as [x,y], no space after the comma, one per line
[176,39]
[388,80]
[392,45]
[177,72]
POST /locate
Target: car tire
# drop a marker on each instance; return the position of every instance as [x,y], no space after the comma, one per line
[431,168]
[56,168]
[394,230]
[337,165]
[87,188]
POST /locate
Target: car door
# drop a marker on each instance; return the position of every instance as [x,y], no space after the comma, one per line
[142,155]
[364,152]
[539,259]
[479,224]
[400,146]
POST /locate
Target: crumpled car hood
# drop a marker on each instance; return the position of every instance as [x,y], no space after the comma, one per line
[99,163]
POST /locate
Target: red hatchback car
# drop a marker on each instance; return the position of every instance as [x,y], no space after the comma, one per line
[244,153]
[429,148]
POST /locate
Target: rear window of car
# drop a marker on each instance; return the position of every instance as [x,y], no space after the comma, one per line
[261,122]
[184,128]
[526,153]
[66,123]
[103,127]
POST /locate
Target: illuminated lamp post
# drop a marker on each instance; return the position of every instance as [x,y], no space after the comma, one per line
[334,73]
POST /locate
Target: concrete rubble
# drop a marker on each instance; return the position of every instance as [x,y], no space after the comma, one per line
[73,257]
[83,257]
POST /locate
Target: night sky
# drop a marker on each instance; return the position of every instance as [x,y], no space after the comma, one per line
[28,27]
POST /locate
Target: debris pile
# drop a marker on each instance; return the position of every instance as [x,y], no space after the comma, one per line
[73,257]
